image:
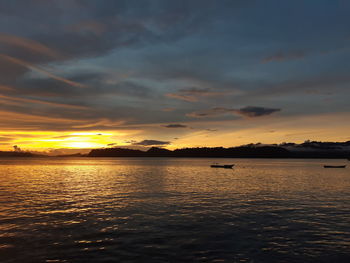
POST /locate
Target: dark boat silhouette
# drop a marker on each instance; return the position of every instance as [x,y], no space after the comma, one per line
[227,166]
[334,166]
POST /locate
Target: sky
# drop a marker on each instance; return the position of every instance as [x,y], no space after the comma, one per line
[82,74]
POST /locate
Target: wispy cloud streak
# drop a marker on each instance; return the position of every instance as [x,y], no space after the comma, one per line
[40,70]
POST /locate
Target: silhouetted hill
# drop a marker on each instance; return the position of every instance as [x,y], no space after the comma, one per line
[248,151]
[315,149]
[116,152]
[325,145]
[235,152]
[159,152]
[18,154]
[308,149]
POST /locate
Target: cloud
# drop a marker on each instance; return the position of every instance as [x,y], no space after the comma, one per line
[21,46]
[100,123]
[40,70]
[36,101]
[97,85]
[132,89]
[164,109]
[211,112]
[136,58]
[24,121]
[93,29]
[283,56]
[6,88]
[151,143]
[249,111]
[193,94]
[5,139]
[320,84]
[252,111]
[130,141]
[62,137]
[88,27]
[181,97]
[175,126]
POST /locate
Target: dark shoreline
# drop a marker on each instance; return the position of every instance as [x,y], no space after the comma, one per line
[220,152]
[306,150]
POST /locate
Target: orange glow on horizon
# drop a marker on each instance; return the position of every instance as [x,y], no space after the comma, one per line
[224,133]
[41,141]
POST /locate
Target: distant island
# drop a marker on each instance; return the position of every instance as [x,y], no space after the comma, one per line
[18,154]
[308,149]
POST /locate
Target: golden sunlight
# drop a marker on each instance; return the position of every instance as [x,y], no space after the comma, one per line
[40,141]
[82,145]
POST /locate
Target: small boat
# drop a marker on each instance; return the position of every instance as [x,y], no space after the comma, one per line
[334,166]
[227,166]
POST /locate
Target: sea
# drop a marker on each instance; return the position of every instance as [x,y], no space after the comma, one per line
[173,210]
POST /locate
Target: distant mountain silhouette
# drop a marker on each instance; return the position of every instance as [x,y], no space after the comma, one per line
[18,154]
[116,152]
[307,149]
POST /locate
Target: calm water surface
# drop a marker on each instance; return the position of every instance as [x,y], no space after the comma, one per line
[173,210]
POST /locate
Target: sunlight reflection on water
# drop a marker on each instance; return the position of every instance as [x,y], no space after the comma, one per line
[177,210]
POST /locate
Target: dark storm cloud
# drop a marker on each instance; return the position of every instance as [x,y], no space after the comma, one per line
[175,126]
[151,143]
[249,111]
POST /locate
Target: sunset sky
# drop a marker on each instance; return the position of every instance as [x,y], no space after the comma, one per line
[81,74]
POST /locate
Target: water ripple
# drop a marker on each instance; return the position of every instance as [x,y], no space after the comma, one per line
[173,210]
